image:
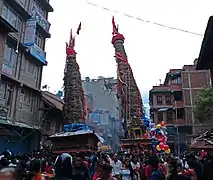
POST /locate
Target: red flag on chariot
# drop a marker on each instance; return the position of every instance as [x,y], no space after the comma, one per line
[114,30]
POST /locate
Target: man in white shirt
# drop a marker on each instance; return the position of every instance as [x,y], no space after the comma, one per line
[116,166]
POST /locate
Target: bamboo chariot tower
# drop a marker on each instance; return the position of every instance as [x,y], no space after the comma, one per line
[74,100]
[127,90]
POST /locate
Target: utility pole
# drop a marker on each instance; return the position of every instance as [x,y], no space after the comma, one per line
[177,138]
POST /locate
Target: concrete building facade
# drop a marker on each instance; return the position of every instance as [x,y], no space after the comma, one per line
[22,57]
[173,102]
[103,107]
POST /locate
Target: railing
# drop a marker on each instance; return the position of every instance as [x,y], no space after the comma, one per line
[40,19]
[176,87]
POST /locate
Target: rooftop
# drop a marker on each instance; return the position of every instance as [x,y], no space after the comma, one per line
[53,100]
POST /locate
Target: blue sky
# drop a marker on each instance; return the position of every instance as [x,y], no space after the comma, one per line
[152,50]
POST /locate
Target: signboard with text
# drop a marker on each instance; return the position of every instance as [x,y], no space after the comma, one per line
[40,19]
[30,33]
[38,53]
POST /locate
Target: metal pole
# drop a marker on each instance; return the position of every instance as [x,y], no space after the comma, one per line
[177,137]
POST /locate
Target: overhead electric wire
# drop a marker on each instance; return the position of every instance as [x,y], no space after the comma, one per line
[143,20]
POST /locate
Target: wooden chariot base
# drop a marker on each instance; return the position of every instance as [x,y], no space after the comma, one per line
[139,143]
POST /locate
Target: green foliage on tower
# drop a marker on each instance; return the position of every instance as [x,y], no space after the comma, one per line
[203,110]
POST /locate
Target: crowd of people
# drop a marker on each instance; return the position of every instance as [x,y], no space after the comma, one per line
[134,165]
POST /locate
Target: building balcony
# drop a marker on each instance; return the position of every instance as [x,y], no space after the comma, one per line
[180,121]
[46,5]
[161,88]
[178,104]
[176,87]
[19,8]
[6,27]
[37,53]
[43,25]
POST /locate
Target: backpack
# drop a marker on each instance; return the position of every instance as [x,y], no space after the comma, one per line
[157,175]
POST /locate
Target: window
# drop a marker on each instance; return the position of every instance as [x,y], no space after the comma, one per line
[25,97]
[6,93]
[159,99]
[30,69]
[22,2]
[12,17]
[185,130]
[171,130]
[4,12]
[35,72]
[32,105]
[178,95]
[39,8]
[169,115]
[39,40]
[10,56]
[27,100]
[168,99]
[9,94]
[177,81]
[19,24]
[160,116]
[180,113]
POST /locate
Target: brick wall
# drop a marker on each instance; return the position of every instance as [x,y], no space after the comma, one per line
[193,81]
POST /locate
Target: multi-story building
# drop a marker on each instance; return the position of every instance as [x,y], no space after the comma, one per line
[174,100]
[206,54]
[103,108]
[51,113]
[23,30]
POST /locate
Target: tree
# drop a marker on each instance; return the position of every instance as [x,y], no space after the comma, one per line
[204,105]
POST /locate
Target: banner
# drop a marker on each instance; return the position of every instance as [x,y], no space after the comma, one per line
[7,69]
[30,33]
[40,19]
[38,53]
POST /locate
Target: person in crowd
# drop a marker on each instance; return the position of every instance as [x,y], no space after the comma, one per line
[135,168]
[63,167]
[148,169]
[105,170]
[116,166]
[174,173]
[12,173]
[35,170]
[79,170]
[125,171]
[92,165]
[157,174]
[191,171]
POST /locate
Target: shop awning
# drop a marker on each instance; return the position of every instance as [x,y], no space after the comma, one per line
[163,109]
[19,124]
